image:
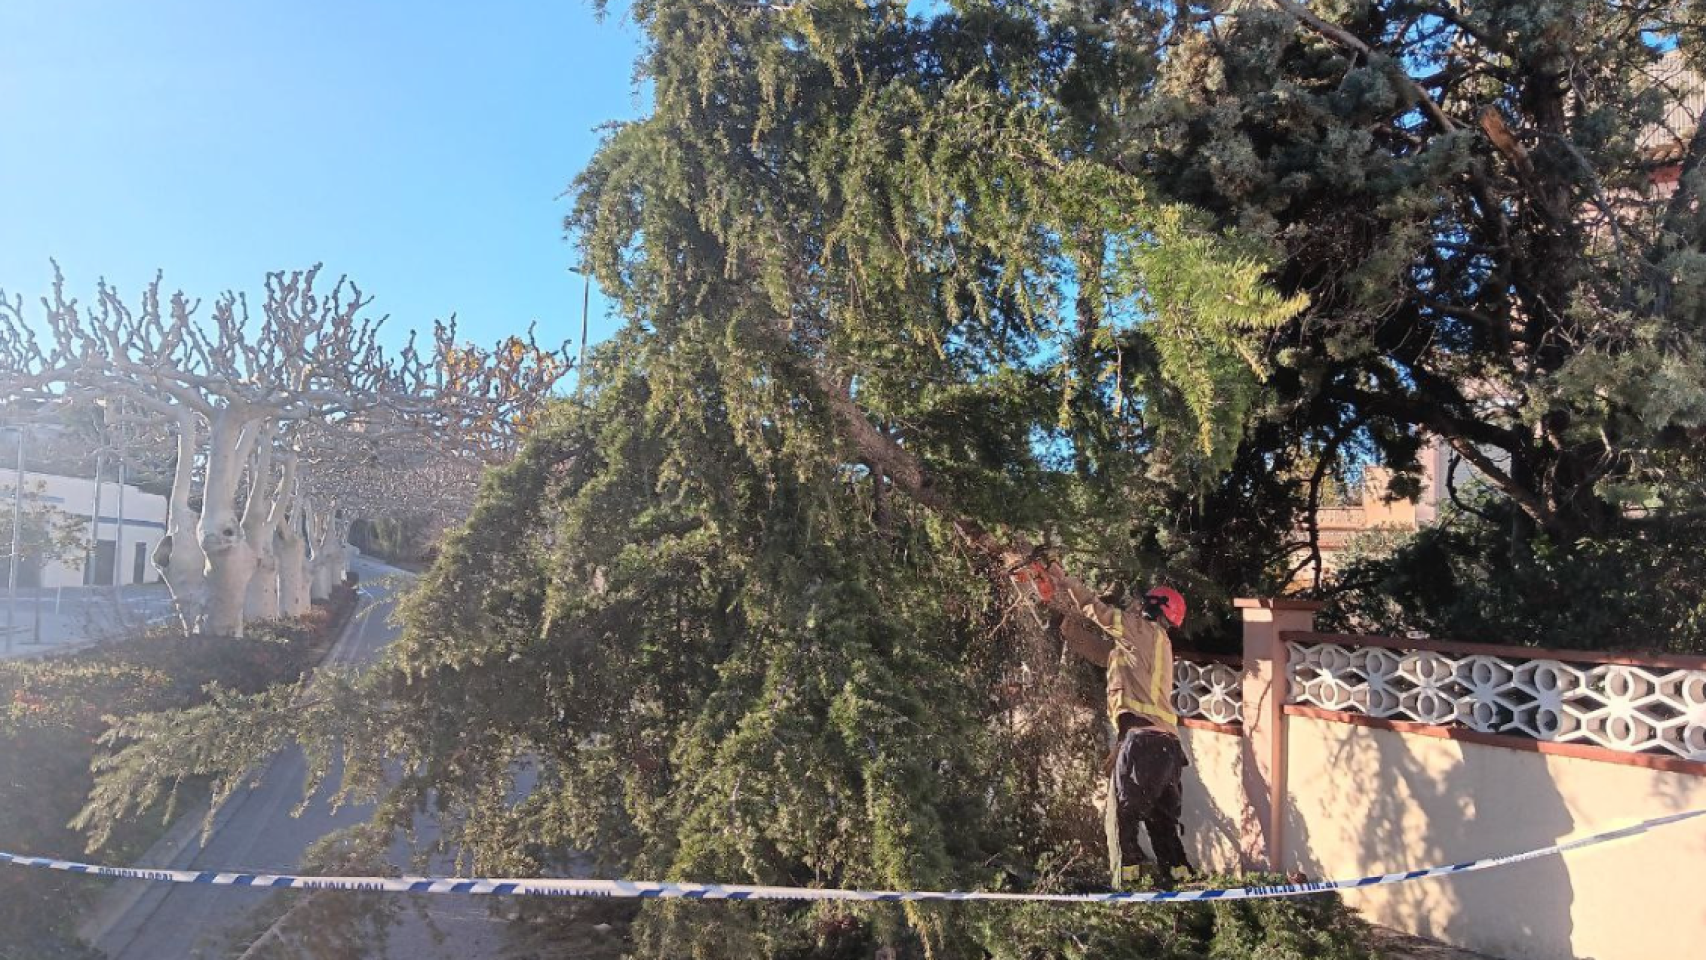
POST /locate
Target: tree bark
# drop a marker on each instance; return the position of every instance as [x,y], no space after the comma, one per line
[263,531]
[264,597]
[293,576]
[179,558]
[341,552]
[1059,591]
[326,565]
[230,559]
[231,565]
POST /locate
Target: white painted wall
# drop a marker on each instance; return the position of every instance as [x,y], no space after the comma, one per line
[74,497]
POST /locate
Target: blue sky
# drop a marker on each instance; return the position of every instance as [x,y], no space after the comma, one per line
[419,147]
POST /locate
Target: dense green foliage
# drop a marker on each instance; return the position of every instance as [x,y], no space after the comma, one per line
[1135,279]
[923,210]
[1458,580]
[1007,227]
[1316,927]
[1466,193]
[712,670]
[52,712]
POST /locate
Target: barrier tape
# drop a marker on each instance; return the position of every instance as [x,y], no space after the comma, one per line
[715,891]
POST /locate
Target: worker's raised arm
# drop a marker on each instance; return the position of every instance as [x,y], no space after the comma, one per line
[1085,640]
[1088,624]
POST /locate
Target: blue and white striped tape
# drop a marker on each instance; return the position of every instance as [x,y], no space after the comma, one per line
[715,891]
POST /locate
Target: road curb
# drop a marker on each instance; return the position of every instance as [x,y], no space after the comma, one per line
[98,923]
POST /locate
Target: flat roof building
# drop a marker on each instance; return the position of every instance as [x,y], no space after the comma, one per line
[72,534]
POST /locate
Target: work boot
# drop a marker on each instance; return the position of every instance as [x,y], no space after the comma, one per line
[1134,877]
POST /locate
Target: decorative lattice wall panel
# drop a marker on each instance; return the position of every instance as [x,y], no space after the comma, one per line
[1207,691]
[1636,709]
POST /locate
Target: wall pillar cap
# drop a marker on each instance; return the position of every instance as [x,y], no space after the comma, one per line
[1279,603]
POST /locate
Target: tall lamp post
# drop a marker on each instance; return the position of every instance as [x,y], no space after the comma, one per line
[35,591]
[13,561]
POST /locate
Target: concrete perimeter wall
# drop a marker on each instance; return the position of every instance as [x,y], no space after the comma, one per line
[1361,786]
[1214,799]
[1364,801]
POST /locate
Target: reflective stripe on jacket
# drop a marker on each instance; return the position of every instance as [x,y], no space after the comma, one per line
[1140,671]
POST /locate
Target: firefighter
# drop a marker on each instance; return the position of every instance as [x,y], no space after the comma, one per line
[1147,760]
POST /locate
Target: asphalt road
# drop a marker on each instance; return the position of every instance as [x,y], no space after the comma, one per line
[256,832]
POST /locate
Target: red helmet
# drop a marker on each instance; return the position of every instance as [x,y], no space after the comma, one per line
[1168,601]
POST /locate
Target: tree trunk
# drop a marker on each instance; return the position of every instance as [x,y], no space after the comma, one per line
[325,542]
[230,567]
[230,559]
[342,552]
[293,576]
[1082,354]
[320,580]
[263,522]
[265,593]
[179,558]
[1058,590]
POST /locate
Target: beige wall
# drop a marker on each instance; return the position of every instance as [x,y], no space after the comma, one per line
[1377,511]
[1337,800]
[1364,801]
[1214,799]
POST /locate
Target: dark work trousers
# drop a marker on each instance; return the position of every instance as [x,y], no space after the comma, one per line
[1144,789]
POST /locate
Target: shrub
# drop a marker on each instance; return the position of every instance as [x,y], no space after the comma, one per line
[1309,928]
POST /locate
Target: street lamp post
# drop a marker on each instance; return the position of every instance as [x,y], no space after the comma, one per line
[118,537]
[13,560]
[91,549]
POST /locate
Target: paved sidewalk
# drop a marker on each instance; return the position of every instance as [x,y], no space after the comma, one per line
[53,621]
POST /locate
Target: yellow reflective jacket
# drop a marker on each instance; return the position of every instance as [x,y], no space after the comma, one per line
[1137,653]
[1140,671]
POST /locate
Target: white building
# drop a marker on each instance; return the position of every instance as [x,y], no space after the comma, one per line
[106,551]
